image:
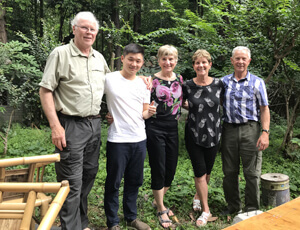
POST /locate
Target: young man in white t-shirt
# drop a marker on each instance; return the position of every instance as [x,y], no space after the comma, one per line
[128,102]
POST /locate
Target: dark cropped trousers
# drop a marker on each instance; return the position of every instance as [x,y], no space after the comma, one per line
[162,146]
[78,165]
[202,158]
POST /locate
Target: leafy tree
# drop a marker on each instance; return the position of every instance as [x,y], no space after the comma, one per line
[20,79]
[269,28]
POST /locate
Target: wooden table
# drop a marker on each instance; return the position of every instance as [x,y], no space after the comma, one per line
[283,217]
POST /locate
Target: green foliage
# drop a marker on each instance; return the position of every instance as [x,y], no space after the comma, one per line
[28,141]
[293,149]
[19,73]
[269,28]
[20,79]
[40,47]
[32,141]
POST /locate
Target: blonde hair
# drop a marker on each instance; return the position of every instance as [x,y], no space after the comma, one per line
[201,53]
[167,50]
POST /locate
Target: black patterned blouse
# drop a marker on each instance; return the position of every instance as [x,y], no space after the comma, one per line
[204,120]
[168,97]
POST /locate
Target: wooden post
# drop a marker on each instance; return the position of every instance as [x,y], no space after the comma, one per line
[25,224]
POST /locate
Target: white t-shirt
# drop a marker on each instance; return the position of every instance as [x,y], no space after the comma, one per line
[125,99]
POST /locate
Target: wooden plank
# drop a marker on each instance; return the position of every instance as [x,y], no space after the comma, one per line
[285,216]
[11,224]
[15,172]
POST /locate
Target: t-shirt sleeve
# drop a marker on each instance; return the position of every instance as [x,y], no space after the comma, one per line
[50,78]
[147,96]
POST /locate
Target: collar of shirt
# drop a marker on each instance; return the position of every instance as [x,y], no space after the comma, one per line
[247,78]
[76,52]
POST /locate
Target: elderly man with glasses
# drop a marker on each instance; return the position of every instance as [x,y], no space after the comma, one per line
[71,92]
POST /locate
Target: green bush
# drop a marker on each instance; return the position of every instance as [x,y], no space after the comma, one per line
[28,141]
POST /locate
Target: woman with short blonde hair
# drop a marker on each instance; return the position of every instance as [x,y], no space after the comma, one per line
[162,129]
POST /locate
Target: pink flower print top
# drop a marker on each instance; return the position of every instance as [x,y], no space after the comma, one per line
[168,96]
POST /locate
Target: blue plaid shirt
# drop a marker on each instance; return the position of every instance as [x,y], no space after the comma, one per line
[243,98]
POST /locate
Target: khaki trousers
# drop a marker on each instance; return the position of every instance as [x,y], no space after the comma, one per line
[239,145]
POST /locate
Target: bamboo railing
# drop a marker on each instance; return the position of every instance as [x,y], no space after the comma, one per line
[24,211]
[29,160]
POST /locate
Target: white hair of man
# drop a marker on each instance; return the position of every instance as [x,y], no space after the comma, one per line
[85,15]
[241,48]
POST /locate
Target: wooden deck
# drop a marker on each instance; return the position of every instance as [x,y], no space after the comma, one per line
[283,217]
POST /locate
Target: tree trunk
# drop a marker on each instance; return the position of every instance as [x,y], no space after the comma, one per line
[41,18]
[201,9]
[137,16]
[3,35]
[5,139]
[291,120]
[116,20]
[61,23]
[35,16]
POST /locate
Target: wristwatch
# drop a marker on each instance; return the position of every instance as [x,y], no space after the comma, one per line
[266,130]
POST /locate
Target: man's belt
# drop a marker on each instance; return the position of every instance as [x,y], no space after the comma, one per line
[77,118]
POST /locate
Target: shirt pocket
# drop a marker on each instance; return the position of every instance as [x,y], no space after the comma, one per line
[248,92]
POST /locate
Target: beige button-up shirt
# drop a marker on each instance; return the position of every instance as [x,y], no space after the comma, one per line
[77,81]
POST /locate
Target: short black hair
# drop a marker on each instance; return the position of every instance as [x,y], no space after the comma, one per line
[133,48]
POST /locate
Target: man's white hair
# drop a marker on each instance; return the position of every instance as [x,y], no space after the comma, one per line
[85,15]
[241,48]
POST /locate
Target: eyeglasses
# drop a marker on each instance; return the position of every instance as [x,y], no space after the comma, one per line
[86,29]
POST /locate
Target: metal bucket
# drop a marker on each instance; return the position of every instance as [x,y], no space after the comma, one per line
[275,189]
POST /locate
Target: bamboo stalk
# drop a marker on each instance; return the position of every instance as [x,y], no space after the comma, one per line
[41,197]
[27,187]
[12,211]
[29,160]
[11,216]
[2,174]
[12,206]
[55,207]
[44,204]
[25,224]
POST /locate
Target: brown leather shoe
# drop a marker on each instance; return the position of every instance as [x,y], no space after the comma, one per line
[116,227]
[138,225]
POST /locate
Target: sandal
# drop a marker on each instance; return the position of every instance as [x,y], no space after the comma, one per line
[204,217]
[196,205]
[161,220]
[168,212]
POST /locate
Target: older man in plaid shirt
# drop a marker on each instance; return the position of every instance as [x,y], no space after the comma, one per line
[245,131]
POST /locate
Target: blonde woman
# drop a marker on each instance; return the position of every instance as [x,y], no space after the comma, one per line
[162,131]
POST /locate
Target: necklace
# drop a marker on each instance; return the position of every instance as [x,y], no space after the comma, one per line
[169,79]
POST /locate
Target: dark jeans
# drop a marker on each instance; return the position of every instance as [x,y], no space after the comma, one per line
[123,159]
[162,146]
[239,142]
[78,165]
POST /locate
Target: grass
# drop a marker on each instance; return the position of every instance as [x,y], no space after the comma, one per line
[32,141]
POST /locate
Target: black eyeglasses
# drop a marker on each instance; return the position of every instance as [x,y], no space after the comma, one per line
[86,29]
